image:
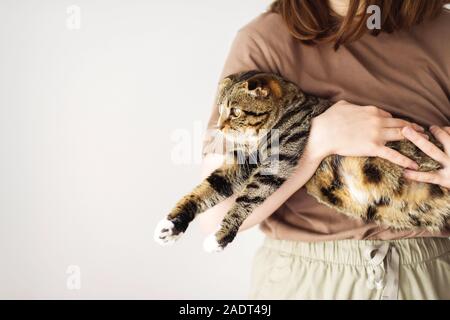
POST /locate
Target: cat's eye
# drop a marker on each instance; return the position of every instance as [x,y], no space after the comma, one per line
[236,112]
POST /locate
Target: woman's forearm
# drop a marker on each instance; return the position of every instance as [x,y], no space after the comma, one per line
[305,170]
[210,219]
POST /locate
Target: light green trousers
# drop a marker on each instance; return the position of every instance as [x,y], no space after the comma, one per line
[352,269]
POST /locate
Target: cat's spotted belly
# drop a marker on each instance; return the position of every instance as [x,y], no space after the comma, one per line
[374,189]
[357,192]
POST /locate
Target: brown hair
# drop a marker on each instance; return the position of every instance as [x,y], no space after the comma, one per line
[313,21]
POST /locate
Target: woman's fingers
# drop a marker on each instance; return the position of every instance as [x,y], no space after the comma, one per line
[423,144]
[400,123]
[392,134]
[396,157]
[377,111]
[442,136]
[417,127]
[395,134]
[446,129]
[425,136]
[383,113]
[428,177]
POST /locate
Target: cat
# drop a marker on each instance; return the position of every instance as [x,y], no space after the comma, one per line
[261,105]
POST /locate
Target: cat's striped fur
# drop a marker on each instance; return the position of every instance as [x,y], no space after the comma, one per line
[371,189]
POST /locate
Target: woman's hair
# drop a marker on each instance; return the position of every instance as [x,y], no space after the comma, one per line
[313,21]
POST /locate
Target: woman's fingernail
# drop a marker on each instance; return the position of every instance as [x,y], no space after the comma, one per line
[419,128]
[414,166]
[408,130]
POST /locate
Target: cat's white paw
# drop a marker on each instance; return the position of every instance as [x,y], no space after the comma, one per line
[164,233]
[211,245]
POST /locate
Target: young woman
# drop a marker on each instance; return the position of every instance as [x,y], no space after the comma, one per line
[375,77]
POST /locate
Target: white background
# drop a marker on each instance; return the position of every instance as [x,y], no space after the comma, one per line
[86,124]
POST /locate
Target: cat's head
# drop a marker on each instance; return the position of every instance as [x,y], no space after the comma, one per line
[251,103]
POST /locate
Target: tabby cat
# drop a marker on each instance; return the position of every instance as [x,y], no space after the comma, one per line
[260,105]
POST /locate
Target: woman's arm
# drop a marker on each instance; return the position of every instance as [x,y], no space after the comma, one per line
[210,219]
[344,129]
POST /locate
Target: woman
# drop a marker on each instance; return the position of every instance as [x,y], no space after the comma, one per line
[403,69]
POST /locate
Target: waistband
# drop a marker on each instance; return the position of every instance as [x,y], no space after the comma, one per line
[351,252]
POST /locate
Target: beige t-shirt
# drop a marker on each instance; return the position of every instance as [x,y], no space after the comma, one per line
[406,73]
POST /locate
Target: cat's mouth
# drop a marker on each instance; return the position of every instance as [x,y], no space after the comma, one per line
[247,137]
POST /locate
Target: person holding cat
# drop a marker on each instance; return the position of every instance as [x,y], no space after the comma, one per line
[374,77]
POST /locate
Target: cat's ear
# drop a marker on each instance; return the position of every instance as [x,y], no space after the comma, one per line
[224,85]
[263,86]
[257,87]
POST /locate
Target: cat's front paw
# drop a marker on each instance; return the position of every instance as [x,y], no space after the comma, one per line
[165,233]
[211,244]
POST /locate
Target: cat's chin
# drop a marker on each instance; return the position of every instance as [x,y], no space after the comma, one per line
[250,140]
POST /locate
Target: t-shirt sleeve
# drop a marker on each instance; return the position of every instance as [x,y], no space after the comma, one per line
[248,52]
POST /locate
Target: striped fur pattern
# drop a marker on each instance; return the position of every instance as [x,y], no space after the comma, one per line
[257,106]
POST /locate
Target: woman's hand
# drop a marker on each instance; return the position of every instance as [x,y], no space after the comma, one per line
[441,177]
[350,130]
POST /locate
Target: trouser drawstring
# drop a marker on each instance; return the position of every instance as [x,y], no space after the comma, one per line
[383,269]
